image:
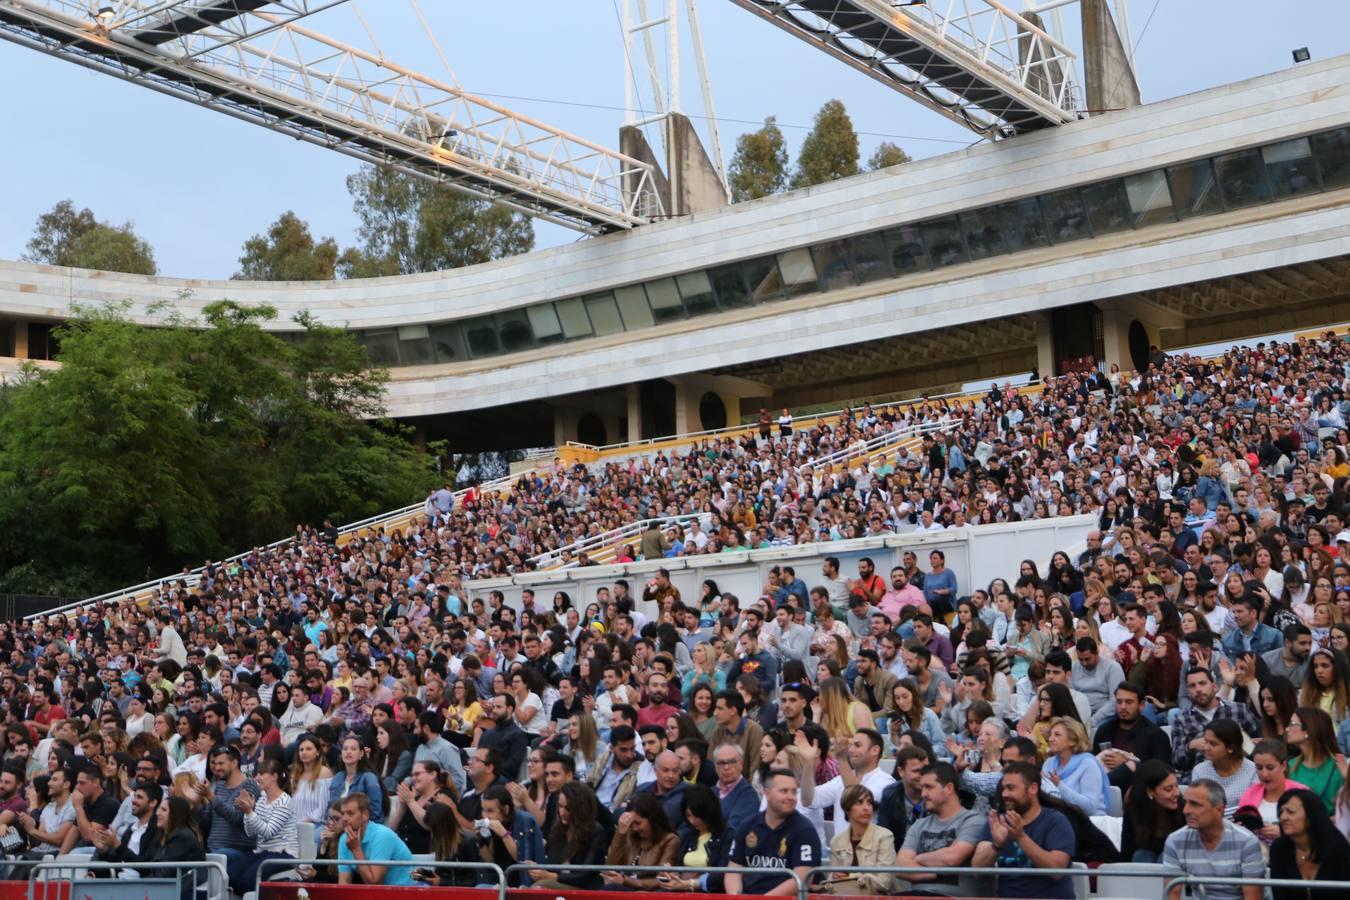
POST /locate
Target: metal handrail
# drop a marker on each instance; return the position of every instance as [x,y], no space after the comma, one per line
[812,418]
[1298,883]
[285,863]
[100,866]
[986,871]
[369,521]
[657,870]
[614,535]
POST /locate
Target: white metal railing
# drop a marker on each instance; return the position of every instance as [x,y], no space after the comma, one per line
[797,422]
[600,547]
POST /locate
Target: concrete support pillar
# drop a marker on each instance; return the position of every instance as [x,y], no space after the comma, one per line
[21,340]
[687,397]
[1045,346]
[1126,316]
[564,425]
[634,413]
[732,402]
[1116,339]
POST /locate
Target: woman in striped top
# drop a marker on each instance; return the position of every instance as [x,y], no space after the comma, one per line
[271,821]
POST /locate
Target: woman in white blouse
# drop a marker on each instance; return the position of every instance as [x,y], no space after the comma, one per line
[310,779]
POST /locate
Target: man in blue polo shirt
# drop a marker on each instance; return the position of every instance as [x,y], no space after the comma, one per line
[364,840]
[780,837]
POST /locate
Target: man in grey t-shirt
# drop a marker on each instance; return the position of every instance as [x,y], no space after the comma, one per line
[946,836]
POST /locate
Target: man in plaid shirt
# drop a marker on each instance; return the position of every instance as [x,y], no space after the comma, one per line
[1188,729]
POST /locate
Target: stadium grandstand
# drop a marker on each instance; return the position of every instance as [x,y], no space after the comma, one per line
[1079,627]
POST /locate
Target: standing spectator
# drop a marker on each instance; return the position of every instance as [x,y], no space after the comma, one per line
[939,585]
[1212,846]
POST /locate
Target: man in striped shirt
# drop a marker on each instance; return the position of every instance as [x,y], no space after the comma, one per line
[1212,846]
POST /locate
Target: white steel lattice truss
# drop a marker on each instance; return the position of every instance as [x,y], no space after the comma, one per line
[975,61]
[253,60]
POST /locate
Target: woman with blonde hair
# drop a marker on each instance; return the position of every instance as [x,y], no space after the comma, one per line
[1071,770]
[839,713]
[705,671]
[583,743]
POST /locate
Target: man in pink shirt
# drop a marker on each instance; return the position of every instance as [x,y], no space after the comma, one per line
[657,709]
[901,594]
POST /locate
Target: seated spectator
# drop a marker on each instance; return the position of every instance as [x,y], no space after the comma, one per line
[863,843]
[364,840]
[1271,758]
[1226,763]
[778,838]
[1211,846]
[1152,812]
[946,837]
[705,845]
[645,838]
[178,842]
[1070,771]
[1309,847]
[1312,734]
[355,777]
[1027,836]
[577,838]
[270,821]
[1128,738]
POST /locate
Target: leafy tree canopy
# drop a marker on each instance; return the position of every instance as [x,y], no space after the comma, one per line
[288,252]
[152,448]
[759,166]
[830,150]
[65,236]
[887,155]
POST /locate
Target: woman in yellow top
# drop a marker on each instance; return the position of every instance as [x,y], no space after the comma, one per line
[464,712]
[839,714]
[1334,464]
[706,843]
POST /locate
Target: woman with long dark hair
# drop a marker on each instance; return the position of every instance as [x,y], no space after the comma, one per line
[1279,701]
[354,777]
[645,839]
[179,842]
[1309,848]
[391,760]
[576,839]
[1152,812]
[1313,734]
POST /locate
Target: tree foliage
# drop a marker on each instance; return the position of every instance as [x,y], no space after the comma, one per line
[887,155]
[759,166]
[409,225]
[830,150]
[65,236]
[288,252]
[151,448]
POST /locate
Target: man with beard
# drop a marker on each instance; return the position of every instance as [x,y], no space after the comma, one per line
[1026,836]
[1127,739]
[497,729]
[873,684]
[656,710]
[1291,660]
[139,841]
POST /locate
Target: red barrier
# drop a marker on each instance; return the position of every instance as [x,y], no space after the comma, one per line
[282,890]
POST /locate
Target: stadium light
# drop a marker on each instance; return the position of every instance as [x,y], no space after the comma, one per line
[1301,55]
[105,15]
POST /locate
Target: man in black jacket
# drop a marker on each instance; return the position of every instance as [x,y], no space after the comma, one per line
[1124,741]
[139,840]
[498,730]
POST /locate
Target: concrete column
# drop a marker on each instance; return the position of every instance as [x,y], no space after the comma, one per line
[686,407]
[564,425]
[1116,339]
[634,413]
[1045,346]
[733,404]
[21,340]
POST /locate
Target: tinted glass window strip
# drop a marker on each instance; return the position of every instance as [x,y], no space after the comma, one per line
[1199,187]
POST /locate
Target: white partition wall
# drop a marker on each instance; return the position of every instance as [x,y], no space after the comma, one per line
[977,554]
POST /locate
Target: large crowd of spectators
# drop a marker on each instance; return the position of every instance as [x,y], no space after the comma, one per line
[1175,692]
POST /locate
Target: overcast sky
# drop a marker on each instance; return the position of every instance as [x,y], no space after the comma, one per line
[197,183]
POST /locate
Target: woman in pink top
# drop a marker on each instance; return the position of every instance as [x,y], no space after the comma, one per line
[1272,779]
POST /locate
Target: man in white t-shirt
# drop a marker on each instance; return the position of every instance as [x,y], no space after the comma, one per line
[858,765]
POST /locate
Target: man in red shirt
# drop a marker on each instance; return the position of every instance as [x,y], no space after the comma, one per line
[43,711]
[657,709]
[868,582]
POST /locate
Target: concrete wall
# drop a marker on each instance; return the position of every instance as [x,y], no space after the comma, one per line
[977,554]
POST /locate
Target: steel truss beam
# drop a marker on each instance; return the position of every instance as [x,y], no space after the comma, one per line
[977,62]
[265,68]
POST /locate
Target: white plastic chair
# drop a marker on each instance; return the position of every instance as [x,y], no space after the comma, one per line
[1116,802]
[308,839]
[1082,884]
[1114,883]
[216,885]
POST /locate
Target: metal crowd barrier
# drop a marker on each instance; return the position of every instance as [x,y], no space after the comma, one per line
[283,864]
[61,886]
[657,870]
[1201,880]
[901,871]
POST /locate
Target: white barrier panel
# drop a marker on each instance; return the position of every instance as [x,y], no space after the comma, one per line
[976,554]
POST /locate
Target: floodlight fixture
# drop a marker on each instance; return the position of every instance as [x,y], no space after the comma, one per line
[1301,55]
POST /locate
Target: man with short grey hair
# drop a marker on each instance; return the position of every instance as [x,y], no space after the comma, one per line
[1212,846]
[739,801]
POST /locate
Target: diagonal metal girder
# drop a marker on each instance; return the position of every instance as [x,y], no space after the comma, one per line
[977,62]
[263,67]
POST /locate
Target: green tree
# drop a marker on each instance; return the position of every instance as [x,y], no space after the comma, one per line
[830,151]
[150,448]
[887,155]
[759,166]
[288,252]
[410,225]
[65,236]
